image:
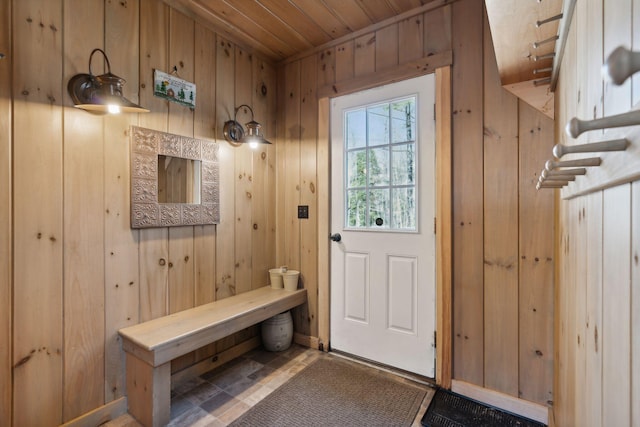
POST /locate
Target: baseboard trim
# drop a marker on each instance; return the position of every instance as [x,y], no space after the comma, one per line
[101,415]
[306,340]
[214,361]
[524,408]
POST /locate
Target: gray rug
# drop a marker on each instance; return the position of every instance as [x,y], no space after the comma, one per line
[335,392]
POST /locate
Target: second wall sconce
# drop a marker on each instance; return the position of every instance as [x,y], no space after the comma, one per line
[101,94]
[235,134]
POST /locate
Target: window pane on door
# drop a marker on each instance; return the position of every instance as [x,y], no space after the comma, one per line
[403,125]
[356,129]
[378,125]
[379,208]
[404,209]
[356,169]
[356,208]
[404,164]
[380,166]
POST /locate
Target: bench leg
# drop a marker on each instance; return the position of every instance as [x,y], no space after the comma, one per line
[149,392]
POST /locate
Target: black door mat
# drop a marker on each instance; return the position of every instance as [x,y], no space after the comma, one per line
[449,409]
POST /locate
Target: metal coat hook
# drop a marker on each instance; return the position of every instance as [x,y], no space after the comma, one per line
[540,82]
[545,41]
[545,56]
[546,21]
[542,70]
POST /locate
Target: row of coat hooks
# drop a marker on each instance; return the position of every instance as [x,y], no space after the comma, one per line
[550,55]
[621,64]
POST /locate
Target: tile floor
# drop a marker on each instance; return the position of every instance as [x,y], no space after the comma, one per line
[223,394]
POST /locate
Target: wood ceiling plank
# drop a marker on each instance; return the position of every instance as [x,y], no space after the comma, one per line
[378,10]
[221,26]
[403,5]
[257,13]
[350,12]
[320,13]
[298,21]
[250,25]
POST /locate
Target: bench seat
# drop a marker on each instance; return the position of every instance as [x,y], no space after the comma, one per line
[150,346]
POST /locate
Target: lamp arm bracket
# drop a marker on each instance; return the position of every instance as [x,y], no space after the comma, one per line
[235,114]
[105,58]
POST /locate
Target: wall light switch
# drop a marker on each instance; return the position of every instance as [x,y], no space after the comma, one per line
[303,211]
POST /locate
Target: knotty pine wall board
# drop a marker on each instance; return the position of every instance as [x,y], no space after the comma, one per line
[226,239]
[180,121]
[580,299]
[468,212]
[264,176]
[153,244]
[593,292]
[244,186]
[411,32]
[289,170]
[225,105]
[437,30]
[536,259]
[243,174]
[307,313]
[6,256]
[38,212]
[635,302]
[83,231]
[205,236]
[344,60]
[501,226]
[121,280]
[387,47]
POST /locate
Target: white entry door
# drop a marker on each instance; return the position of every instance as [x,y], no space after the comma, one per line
[382,219]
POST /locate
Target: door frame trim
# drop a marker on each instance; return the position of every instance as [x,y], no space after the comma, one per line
[443,225]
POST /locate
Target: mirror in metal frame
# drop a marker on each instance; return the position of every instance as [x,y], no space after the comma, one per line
[194,199]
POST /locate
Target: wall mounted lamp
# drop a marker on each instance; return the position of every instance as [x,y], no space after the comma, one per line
[101,94]
[235,134]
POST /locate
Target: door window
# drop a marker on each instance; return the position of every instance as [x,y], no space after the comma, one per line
[380,166]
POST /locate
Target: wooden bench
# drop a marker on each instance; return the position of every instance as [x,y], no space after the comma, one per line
[150,346]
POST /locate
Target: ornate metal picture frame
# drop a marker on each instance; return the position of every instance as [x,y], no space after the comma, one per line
[146,212]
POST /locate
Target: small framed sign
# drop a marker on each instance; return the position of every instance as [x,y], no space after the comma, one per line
[174,89]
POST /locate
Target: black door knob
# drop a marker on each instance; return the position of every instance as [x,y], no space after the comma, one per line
[336,237]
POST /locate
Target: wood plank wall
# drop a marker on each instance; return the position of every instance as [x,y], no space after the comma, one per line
[75,270]
[597,381]
[503,229]
[5,215]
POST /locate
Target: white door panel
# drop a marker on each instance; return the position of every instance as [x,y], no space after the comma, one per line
[383,196]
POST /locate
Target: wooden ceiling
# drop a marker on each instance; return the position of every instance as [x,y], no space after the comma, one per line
[280,29]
